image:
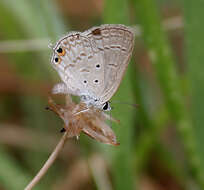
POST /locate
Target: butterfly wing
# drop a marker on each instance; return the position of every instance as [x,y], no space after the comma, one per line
[115,42]
[80,67]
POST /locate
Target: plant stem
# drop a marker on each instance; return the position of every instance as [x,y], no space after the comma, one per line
[48,163]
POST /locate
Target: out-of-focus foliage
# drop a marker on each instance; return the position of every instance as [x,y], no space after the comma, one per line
[161,140]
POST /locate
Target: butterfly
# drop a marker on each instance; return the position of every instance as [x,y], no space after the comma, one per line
[91,64]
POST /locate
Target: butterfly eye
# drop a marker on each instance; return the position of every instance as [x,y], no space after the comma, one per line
[57,60]
[61,51]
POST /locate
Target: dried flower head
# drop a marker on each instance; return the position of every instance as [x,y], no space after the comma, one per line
[80,118]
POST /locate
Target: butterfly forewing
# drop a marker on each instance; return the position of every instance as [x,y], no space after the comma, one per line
[81,68]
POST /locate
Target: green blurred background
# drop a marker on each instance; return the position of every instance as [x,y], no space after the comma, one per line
[161,140]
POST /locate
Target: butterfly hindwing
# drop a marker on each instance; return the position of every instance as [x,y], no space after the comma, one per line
[116,43]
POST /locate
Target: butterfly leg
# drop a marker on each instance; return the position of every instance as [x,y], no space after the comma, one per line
[55,108]
[110,118]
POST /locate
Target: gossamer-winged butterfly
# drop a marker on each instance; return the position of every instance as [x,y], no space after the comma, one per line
[91,64]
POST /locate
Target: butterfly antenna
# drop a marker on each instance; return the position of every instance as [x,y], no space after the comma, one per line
[136,30]
[111,123]
[82,111]
[51,46]
[126,103]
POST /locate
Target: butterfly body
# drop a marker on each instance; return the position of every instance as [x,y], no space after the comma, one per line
[91,64]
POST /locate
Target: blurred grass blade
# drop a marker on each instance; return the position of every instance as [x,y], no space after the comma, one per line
[12,177]
[25,14]
[53,19]
[37,18]
[116,12]
[29,20]
[194,31]
[112,15]
[163,63]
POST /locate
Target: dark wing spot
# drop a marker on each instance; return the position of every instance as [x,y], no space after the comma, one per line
[96,81]
[98,66]
[96,32]
[56,59]
[59,50]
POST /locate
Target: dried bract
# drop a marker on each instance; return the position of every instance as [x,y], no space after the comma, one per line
[79,118]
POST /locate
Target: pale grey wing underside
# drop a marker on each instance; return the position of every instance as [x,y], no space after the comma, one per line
[81,68]
[94,61]
[116,43]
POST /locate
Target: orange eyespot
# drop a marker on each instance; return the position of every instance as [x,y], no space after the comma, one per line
[61,51]
[57,60]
